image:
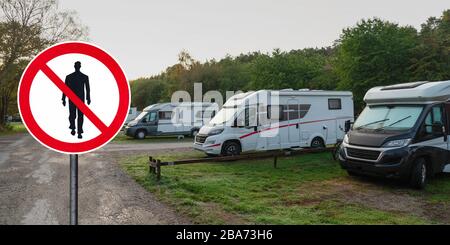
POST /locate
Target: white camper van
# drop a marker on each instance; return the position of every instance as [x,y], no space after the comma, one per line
[170,119]
[402,133]
[268,120]
[132,114]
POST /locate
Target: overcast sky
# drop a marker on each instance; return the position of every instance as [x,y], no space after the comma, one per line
[146,35]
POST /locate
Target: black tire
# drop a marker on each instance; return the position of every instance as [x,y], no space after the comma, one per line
[140,134]
[354,174]
[336,151]
[231,148]
[419,174]
[317,143]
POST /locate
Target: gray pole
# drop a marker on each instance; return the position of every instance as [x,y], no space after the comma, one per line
[74,189]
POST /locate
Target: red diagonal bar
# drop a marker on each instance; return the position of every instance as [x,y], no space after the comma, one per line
[74,98]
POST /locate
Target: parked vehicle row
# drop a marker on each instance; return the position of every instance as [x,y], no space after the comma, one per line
[170,119]
[402,132]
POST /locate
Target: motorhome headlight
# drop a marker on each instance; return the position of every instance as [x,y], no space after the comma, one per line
[397,143]
[345,139]
[215,131]
[210,142]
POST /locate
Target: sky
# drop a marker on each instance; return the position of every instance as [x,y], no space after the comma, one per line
[146,36]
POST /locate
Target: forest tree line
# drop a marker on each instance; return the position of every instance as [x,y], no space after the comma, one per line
[374,52]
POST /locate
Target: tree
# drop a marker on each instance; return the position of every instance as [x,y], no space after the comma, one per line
[28,26]
[295,69]
[432,55]
[374,53]
[8,91]
[147,91]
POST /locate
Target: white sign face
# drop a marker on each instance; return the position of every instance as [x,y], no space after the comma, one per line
[45,95]
[73,97]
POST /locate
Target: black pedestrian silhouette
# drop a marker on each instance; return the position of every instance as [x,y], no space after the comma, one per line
[77,82]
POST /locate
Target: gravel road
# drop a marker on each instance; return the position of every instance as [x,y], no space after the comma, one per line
[34,185]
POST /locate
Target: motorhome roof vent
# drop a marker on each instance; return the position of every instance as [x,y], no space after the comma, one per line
[287,89]
[404,85]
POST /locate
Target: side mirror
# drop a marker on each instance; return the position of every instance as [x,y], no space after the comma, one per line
[347,126]
[437,128]
[144,120]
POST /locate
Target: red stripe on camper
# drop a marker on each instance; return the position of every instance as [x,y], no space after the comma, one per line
[289,125]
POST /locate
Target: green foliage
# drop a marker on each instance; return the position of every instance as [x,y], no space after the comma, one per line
[295,69]
[374,53]
[432,55]
[12,128]
[146,91]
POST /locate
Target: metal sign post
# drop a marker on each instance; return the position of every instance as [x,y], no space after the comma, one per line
[74,189]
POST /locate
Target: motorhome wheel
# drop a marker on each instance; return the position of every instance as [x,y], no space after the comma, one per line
[140,134]
[419,174]
[231,148]
[317,142]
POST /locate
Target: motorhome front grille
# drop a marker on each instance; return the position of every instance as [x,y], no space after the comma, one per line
[362,153]
[200,138]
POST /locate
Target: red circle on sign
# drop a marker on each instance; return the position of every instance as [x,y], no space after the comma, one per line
[38,63]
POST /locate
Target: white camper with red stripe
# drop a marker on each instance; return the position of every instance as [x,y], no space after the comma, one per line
[276,119]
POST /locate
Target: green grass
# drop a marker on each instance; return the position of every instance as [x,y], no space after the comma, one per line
[13,128]
[299,191]
[437,190]
[123,139]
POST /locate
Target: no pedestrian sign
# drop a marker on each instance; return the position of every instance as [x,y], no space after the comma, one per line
[73,97]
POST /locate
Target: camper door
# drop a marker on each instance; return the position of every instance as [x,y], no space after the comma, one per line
[293,115]
[165,125]
[247,123]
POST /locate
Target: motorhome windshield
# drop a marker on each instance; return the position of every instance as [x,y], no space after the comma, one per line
[223,116]
[142,115]
[388,117]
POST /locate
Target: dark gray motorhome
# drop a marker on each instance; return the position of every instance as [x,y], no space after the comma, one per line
[401,133]
[171,119]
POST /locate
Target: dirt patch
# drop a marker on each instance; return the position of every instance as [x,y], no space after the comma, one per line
[366,193]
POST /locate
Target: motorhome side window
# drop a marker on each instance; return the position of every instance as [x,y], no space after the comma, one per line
[334,104]
[165,115]
[275,112]
[434,116]
[151,117]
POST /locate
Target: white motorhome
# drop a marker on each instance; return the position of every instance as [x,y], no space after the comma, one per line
[132,114]
[269,120]
[170,119]
[401,133]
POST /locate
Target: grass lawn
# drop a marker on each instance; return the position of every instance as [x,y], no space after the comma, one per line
[13,128]
[122,138]
[309,189]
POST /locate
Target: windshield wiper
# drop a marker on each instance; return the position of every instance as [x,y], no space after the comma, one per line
[400,120]
[367,124]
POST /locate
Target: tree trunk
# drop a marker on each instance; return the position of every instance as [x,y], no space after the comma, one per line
[3,111]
